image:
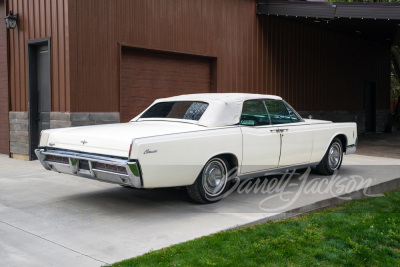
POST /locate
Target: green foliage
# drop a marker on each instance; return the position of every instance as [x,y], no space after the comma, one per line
[395,88]
[395,75]
[359,233]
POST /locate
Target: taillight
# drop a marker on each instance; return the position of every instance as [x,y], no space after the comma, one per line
[112,167]
[108,167]
[100,166]
[57,159]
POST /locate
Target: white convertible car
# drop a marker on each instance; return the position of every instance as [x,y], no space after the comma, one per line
[199,141]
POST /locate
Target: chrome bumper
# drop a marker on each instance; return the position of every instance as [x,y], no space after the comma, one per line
[352,148]
[131,178]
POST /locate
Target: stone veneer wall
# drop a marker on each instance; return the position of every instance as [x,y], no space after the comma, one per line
[19,135]
[19,132]
[64,119]
[382,117]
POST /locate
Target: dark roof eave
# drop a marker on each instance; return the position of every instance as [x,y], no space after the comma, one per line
[296,9]
[329,10]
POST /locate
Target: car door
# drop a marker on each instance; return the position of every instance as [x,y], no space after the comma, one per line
[261,140]
[296,135]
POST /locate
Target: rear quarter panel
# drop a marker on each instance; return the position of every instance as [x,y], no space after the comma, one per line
[177,159]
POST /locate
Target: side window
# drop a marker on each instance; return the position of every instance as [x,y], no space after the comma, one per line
[254,113]
[293,115]
[278,112]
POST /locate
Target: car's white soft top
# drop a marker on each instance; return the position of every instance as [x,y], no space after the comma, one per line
[224,108]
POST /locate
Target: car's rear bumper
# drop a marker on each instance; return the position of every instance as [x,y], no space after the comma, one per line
[102,168]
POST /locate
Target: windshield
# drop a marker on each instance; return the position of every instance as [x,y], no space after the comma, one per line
[186,110]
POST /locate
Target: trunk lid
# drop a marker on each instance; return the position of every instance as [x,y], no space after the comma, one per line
[112,139]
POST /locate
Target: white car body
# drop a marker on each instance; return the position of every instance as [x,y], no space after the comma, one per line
[164,152]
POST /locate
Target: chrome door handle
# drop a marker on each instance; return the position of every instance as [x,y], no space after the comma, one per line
[284,130]
[274,131]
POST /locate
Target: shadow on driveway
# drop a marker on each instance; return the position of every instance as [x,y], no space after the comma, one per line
[380,145]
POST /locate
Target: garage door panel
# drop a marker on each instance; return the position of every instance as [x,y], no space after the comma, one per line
[147,75]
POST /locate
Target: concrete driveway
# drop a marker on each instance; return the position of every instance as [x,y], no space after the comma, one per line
[49,219]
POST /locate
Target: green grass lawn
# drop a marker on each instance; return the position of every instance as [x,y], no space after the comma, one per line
[363,232]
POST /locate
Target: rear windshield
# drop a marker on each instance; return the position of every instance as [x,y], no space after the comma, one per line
[187,110]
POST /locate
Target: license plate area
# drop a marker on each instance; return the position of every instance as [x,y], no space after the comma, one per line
[84,165]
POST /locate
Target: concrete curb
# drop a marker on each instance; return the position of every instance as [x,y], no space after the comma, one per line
[331,202]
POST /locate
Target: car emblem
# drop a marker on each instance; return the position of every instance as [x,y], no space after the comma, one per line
[84,142]
[150,151]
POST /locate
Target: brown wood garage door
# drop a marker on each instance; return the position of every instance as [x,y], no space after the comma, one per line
[4,129]
[148,75]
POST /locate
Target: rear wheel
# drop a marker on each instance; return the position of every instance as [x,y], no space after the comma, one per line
[211,183]
[333,158]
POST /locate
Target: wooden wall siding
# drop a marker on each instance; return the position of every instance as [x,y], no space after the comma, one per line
[4,129]
[39,19]
[316,69]
[310,67]
[94,78]
[228,29]
[147,75]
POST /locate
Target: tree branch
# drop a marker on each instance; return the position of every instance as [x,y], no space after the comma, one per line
[396,63]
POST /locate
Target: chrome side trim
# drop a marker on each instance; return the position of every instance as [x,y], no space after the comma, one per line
[278,171]
[131,178]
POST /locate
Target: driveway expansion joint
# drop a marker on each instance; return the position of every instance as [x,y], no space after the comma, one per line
[47,240]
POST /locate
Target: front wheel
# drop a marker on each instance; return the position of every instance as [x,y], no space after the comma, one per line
[333,158]
[211,183]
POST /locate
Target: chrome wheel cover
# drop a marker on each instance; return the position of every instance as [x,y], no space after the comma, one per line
[335,155]
[214,177]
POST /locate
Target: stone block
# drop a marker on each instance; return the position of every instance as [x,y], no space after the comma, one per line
[19,121]
[79,116]
[59,124]
[18,115]
[18,127]
[19,138]
[102,116]
[60,116]
[81,123]
[19,133]
[19,144]
[19,148]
